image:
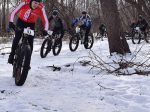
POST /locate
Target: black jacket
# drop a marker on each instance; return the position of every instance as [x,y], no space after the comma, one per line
[55,23]
[102,27]
[142,24]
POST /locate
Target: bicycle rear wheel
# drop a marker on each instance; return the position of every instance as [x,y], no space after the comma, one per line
[57,46]
[90,42]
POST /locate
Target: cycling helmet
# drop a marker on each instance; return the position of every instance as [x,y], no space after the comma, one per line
[34,0]
[84,12]
[55,12]
[37,0]
[140,17]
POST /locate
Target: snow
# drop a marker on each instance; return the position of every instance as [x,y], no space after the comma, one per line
[80,90]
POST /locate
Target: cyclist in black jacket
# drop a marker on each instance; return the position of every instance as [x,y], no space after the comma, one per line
[56,24]
[142,23]
[102,29]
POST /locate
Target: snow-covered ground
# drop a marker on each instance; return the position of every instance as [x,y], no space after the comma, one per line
[74,88]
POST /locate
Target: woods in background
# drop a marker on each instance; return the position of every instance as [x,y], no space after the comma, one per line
[116,14]
[128,10]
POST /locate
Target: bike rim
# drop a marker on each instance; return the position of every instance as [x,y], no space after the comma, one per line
[90,41]
[45,49]
[18,74]
[74,43]
[19,70]
[57,48]
[136,38]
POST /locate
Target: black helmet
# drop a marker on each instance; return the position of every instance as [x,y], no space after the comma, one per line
[84,12]
[140,17]
[55,12]
[36,1]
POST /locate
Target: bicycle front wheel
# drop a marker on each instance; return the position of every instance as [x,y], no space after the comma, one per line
[45,48]
[74,43]
[136,38]
[22,65]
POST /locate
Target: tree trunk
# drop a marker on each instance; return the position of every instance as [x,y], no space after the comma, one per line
[112,20]
[0,16]
[3,15]
[7,12]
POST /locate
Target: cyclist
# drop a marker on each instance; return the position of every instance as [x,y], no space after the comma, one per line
[84,22]
[133,24]
[56,24]
[142,24]
[28,12]
[102,29]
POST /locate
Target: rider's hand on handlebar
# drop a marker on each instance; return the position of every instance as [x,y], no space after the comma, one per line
[45,33]
[11,25]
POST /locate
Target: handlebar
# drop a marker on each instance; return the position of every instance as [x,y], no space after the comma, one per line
[26,31]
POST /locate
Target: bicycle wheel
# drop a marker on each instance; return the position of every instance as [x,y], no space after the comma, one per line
[22,65]
[57,46]
[99,36]
[15,61]
[45,48]
[14,70]
[136,38]
[90,42]
[74,43]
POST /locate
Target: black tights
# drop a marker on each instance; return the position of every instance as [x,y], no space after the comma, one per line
[87,31]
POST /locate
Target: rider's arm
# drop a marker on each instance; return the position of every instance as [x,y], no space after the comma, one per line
[146,23]
[75,21]
[61,23]
[50,19]
[16,10]
[44,19]
[88,22]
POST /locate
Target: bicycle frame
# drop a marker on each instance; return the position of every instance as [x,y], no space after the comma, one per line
[21,63]
[52,36]
[80,33]
[137,30]
[26,33]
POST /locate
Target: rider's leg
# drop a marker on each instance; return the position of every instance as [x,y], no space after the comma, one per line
[86,34]
[103,31]
[62,33]
[18,33]
[16,40]
[144,31]
[30,40]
